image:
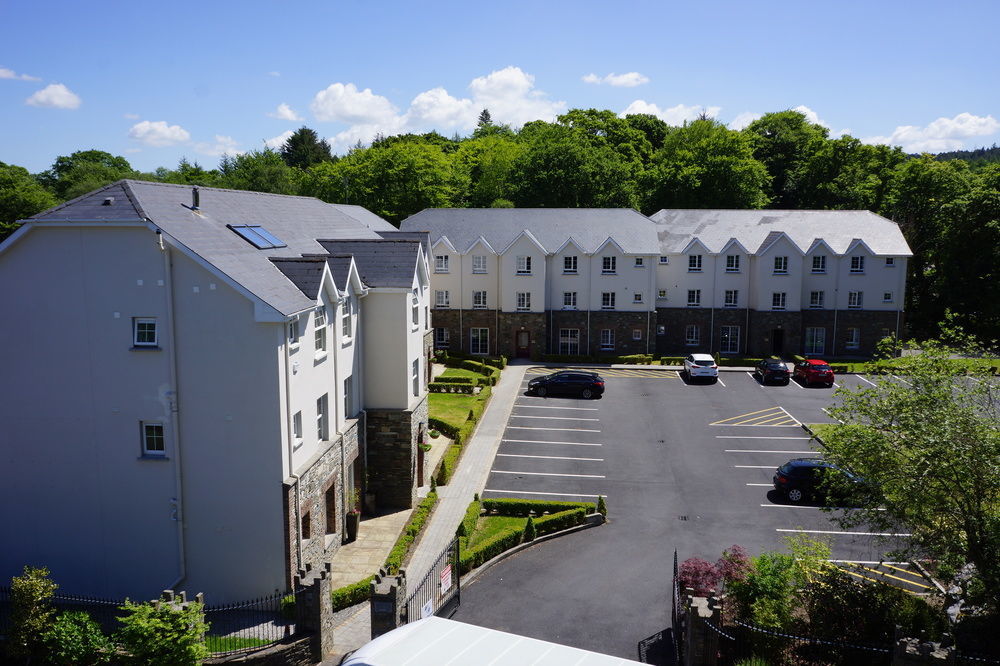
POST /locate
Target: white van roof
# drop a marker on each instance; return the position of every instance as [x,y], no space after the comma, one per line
[436,641]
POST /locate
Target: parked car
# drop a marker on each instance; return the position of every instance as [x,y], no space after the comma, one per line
[772,370]
[568,382]
[701,365]
[814,371]
[814,478]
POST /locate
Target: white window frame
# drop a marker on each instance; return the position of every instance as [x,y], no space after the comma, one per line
[479,341]
[781,265]
[731,298]
[153,438]
[607,300]
[442,338]
[779,300]
[323,417]
[637,297]
[853,340]
[858,264]
[442,299]
[347,321]
[415,376]
[729,341]
[694,298]
[479,263]
[609,265]
[815,340]
[479,299]
[855,300]
[415,310]
[569,341]
[297,428]
[664,259]
[639,263]
[890,262]
[732,263]
[694,263]
[570,264]
[816,299]
[143,323]
[819,263]
[569,300]
[294,333]
[607,339]
[348,397]
[523,301]
[887,297]
[319,329]
[523,266]
[692,335]
[441,263]
[636,334]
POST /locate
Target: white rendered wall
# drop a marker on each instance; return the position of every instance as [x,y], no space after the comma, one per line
[512,283]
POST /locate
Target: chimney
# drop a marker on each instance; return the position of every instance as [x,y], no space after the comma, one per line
[195,198]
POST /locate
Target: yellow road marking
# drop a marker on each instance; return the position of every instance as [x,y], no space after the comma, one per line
[915,574]
[875,580]
[889,575]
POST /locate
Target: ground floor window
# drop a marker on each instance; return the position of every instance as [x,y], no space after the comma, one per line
[479,341]
[569,341]
[442,338]
[607,339]
[637,334]
[853,338]
[730,339]
[815,340]
[692,334]
[152,439]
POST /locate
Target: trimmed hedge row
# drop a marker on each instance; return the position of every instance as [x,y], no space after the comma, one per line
[353,594]
[468,525]
[521,507]
[488,549]
[449,387]
[449,461]
[444,355]
[630,359]
[559,521]
[448,379]
[445,428]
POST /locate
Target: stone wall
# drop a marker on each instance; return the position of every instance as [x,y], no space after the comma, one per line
[672,342]
[536,323]
[874,325]
[763,324]
[624,325]
[392,437]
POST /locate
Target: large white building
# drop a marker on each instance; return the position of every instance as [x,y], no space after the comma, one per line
[524,282]
[195,381]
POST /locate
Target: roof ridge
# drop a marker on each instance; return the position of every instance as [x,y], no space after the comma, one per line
[216,189]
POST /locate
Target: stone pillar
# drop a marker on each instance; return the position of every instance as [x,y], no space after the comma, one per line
[388,602]
[912,652]
[701,642]
[314,611]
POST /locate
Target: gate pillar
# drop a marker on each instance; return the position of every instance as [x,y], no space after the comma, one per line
[388,602]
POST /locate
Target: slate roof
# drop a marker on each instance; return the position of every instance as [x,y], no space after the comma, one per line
[756,229]
[365,216]
[305,273]
[340,270]
[421,236]
[297,221]
[551,227]
[380,262]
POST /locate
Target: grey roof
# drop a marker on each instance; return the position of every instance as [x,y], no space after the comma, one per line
[365,216]
[381,262]
[297,221]
[755,229]
[340,270]
[421,236]
[305,273]
[551,227]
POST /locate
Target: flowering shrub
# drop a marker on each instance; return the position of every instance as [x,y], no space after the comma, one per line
[700,575]
[734,565]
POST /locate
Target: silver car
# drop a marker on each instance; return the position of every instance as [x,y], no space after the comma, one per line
[701,365]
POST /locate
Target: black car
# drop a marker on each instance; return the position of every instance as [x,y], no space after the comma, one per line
[772,370]
[813,478]
[568,382]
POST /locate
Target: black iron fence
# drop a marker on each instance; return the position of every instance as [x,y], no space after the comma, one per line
[251,625]
[105,612]
[439,593]
[739,640]
[677,616]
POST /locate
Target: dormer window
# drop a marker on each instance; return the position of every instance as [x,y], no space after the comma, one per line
[479,263]
[441,263]
[523,265]
[781,265]
[609,265]
[694,263]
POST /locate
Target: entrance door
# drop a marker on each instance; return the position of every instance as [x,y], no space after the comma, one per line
[777,341]
[523,344]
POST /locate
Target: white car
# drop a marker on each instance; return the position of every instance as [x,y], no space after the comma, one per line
[701,365]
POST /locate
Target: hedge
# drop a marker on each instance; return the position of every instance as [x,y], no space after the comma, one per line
[498,363]
[445,468]
[447,379]
[523,507]
[671,360]
[634,359]
[445,428]
[449,387]
[486,550]
[471,517]
[559,521]
[353,594]
[410,532]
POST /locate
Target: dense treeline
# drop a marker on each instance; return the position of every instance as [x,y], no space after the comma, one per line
[949,212]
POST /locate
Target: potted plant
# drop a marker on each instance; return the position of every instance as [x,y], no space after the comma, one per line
[353,518]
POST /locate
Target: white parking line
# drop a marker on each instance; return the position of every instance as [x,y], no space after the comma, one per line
[754,466]
[901,379]
[756,437]
[761,485]
[525,492]
[543,441]
[792,381]
[885,534]
[575,409]
[578,476]
[824,410]
[552,418]
[719,379]
[866,380]
[510,427]
[762,451]
[521,455]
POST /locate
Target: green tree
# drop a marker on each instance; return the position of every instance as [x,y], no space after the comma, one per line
[785,143]
[304,148]
[930,447]
[259,171]
[76,640]
[162,634]
[84,171]
[654,129]
[483,169]
[31,615]
[20,196]
[188,173]
[845,174]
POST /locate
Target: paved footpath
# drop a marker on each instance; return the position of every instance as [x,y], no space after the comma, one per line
[453,500]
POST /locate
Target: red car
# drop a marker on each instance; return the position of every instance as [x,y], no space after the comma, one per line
[814,371]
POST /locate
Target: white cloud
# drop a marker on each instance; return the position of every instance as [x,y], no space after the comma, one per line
[941,135]
[285,112]
[274,74]
[511,97]
[675,115]
[743,119]
[11,74]
[436,108]
[275,143]
[346,104]
[222,145]
[56,96]
[628,80]
[158,133]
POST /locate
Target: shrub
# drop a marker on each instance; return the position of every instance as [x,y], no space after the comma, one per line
[287,607]
[433,433]
[159,633]
[529,530]
[75,638]
[410,532]
[701,576]
[31,614]
[734,565]
[555,522]
[448,387]
[488,549]
[351,595]
[449,379]
[468,523]
[633,359]
[444,427]
[765,595]
[499,363]
[671,360]
[521,507]
[602,506]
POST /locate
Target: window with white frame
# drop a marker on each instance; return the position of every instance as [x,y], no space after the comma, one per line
[661,293]
[569,341]
[153,443]
[890,262]
[637,334]
[692,335]
[855,299]
[427,317]
[319,328]
[608,300]
[415,376]
[144,333]
[479,340]
[607,339]
[857,264]
[780,265]
[569,300]
[778,300]
[297,428]
[694,298]
[732,263]
[442,299]
[732,298]
[637,297]
[442,338]
[609,265]
[479,263]
[523,265]
[639,263]
[441,263]
[694,263]
[819,263]
[569,264]
[853,338]
[664,259]
[293,333]
[887,297]
[815,340]
[479,300]
[346,323]
[415,309]
[523,301]
[730,340]
[323,418]
[816,300]
[348,397]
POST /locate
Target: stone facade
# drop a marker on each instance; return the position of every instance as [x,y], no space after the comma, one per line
[775,332]
[674,322]
[391,438]
[623,326]
[509,324]
[873,324]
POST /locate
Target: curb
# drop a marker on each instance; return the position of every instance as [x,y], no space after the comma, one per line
[592,520]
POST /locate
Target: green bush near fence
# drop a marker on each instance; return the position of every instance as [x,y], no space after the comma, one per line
[525,508]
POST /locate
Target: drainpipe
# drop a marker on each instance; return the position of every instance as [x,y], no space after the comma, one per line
[289,445]
[711,321]
[836,301]
[590,299]
[496,312]
[174,415]
[750,294]
[461,302]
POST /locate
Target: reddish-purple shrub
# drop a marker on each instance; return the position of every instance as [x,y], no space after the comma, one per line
[698,574]
[734,565]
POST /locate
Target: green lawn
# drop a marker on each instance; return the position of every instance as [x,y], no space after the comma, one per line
[451,408]
[820,429]
[228,643]
[487,526]
[461,372]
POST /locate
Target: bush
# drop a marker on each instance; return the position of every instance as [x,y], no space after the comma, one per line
[765,595]
[738,361]
[449,379]
[488,549]
[555,522]
[499,363]
[734,565]
[351,595]
[163,634]
[450,387]
[701,576]
[442,475]
[671,360]
[522,507]
[75,638]
[632,359]
[471,517]
[31,614]
[410,532]
[529,530]
[602,506]
[444,427]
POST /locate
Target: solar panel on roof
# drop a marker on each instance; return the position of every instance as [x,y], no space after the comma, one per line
[258,236]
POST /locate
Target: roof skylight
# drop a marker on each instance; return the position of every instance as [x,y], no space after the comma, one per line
[258,236]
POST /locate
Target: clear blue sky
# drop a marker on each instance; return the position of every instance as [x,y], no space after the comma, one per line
[158,81]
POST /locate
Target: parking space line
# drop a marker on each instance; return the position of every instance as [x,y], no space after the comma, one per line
[792,381]
[756,437]
[525,492]
[901,379]
[885,534]
[524,455]
[764,451]
[824,410]
[544,441]
[510,427]
[866,380]
[755,467]
[719,379]
[579,476]
[575,409]
[552,418]
[761,485]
